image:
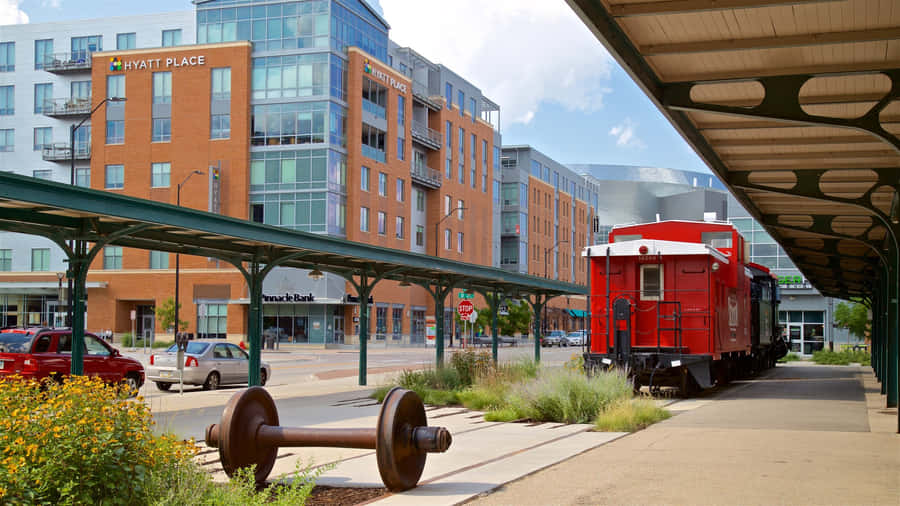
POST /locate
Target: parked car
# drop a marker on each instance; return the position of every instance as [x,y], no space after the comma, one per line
[575,338]
[501,340]
[209,363]
[554,338]
[38,353]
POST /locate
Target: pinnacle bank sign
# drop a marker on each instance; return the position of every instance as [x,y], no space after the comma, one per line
[119,64]
[386,79]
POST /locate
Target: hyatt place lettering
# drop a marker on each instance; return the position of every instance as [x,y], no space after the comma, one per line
[289,297]
[164,63]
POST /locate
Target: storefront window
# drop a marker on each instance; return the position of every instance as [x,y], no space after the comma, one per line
[397,323]
[380,322]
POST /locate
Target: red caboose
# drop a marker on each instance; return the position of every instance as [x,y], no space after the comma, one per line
[674,302]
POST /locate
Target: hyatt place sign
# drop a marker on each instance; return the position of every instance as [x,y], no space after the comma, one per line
[117,64]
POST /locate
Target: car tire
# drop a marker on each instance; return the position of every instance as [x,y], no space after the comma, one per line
[212,381]
[133,382]
[164,386]
[263,377]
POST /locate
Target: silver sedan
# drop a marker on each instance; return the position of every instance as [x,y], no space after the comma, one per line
[209,363]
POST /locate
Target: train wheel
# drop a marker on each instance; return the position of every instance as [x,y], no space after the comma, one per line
[689,386]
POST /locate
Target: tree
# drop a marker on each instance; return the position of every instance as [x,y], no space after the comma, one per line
[518,320]
[853,317]
[165,313]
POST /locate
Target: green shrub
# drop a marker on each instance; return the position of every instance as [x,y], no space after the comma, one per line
[846,357]
[790,357]
[162,344]
[469,364]
[125,340]
[78,442]
[566,396]
[630,415]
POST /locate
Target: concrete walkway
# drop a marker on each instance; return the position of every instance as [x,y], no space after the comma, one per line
[800,434]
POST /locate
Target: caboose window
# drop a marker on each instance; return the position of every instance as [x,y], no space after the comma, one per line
[632,237]
[716,239]
[651,282]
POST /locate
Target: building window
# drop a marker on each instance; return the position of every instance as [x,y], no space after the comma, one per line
[159,174]
[43,53]
[447,238]
[651,282]
[115,177]
[420,235]
[115,87]
[112,257]
[7,140]
[448,203]
[7,56]
[162,87]
[5,260]
[401,148]
[397,322]
[162,130]
[381,223]
[115,131]
[400,190]
[472,111]
[220,126]
[45,174]
[448,171]
[7,100]
[373,143]
[125,41]
[461,102]
[420,201]
[448,95]
[221,83]
[159,260]
[364,178]
[459,242]
[472,179]
[42,138]
[401,112]
[213,323]
[382,184]
[399,225]
[364,219]
[82,47]
[460,206]
[43,97]
[171,38]
[83,177]
[40,259]
[374,98]
[380,322]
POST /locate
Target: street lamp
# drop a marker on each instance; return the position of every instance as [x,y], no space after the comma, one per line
[437,227]
[177,260]
[75,127]
[546,253]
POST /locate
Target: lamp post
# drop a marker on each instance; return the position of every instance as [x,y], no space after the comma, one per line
[75,127]
[546,254]
[177,260]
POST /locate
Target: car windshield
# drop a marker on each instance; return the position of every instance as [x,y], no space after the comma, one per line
[15,343]
[193,348]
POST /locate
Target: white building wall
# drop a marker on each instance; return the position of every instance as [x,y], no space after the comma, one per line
[24,159]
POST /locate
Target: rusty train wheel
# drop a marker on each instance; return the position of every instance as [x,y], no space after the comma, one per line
[243,415]
[399,461]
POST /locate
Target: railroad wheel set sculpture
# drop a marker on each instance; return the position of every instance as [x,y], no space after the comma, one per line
[249,434]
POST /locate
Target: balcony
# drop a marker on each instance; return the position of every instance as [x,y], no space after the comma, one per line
[64,107]
[64,63]
[426,176]
[61,152]
[374,109]
[427,136]
[373,153]
[420,93]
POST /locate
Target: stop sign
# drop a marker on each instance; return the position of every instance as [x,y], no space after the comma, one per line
[465,308]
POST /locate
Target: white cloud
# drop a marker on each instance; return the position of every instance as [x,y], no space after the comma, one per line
[520,53]
[53,4]
[11,14]
[625,136]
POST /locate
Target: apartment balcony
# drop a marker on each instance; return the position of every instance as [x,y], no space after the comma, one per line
[373,153]
[420,93]
[427,136]
[65,63]
[426,176]
[65,107]
[62,152]
[374,109]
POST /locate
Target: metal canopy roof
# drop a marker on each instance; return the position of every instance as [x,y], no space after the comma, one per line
[794,104]
[62,212]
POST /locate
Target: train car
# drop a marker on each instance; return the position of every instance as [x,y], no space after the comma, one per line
[678,304]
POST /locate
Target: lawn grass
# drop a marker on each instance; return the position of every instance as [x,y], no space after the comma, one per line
[630,415]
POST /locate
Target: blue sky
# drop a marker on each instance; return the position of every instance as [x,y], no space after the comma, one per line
[557,88]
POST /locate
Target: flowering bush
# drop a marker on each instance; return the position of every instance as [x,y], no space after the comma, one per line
[81,442]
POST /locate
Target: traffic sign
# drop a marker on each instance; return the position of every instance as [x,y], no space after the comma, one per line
[503,310]
[464,295]
[465,308]
[473,316]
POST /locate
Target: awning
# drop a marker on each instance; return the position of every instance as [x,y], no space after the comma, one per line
[577,313]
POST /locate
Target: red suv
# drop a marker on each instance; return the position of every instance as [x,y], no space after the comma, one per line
[41,353]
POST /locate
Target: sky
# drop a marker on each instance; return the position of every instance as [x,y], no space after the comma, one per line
[558,89]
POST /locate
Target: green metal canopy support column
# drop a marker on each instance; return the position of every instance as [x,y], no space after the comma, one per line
[877,332]
[493,300]
[439,291]
[537,304]
[255,279]
[893,358]
[363,291]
